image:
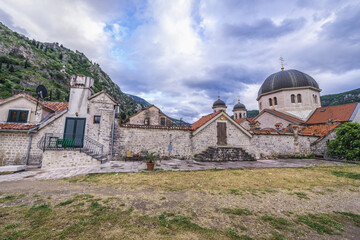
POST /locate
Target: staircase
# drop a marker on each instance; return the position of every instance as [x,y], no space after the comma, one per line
[222,154]
[54,141]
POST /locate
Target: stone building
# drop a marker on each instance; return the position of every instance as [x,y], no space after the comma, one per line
[34,131]
[149,116]
[85,131]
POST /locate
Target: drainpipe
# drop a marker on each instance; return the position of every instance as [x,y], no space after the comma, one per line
[112,134]
[29,145]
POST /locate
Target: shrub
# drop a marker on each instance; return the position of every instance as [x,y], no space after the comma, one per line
[346,143]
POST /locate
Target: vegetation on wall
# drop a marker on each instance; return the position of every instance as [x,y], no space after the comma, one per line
[25,63]
[346,143]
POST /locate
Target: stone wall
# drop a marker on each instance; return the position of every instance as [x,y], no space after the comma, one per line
[272,146]
[268,120]
[207,137]
[319,147]
[62,159]
[136,139]
[13,148]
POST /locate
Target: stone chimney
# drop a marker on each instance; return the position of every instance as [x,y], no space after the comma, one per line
[81,88]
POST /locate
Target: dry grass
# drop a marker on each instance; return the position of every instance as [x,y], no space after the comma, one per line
[288,203]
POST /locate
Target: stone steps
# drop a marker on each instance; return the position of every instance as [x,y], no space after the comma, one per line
[98,157]
[222,154]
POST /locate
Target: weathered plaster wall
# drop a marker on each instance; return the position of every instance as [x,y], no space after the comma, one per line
[268,120]
[61,159]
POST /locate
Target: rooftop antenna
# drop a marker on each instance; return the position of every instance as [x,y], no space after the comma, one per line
[282,63]
[41,93]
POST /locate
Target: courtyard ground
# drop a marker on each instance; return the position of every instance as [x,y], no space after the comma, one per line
[313,202]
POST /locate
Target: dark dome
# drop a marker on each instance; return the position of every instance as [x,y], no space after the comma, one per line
[287,79]
[239,106]
[219,102]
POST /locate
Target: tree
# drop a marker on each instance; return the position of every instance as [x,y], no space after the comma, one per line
[346,143]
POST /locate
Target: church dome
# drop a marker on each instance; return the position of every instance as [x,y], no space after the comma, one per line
[287,79]
[239,106]
[218,103]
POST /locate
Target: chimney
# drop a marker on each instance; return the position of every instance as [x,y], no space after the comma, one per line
[81,88]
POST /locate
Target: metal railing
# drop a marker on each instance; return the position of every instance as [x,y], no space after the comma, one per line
[56,141]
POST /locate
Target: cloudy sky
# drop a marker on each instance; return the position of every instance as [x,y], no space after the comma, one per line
[178,54]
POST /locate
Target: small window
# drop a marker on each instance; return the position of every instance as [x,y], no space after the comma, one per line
[235,116]
[147,121]
[275,101]
[162,121]
[270,101]
[97,119]
[292,98]
[239,115]
[260,106]
[299,98]
[315,98]
[19,116]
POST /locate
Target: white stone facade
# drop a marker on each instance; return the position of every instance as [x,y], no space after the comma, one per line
[282,100]
[63,159]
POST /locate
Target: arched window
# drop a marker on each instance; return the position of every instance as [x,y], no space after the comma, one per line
[270,101]
[235,115]
[299,98]
[239,115]
[315,97]
[292,98]
[275,101]
[260,106]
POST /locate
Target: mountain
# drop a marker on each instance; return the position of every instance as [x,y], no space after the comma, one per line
[26,63]
[252,113]
[341,98]
[140,100]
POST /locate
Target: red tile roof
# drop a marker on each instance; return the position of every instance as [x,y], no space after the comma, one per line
[239,120]
[17,126]
[339,113]
[320,130]
[203,120]
[56,106]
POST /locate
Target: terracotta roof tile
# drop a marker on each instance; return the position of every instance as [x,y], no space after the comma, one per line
[203,120]
[17,126]
[320,130]
[56,106]
[339,113]
[239,120]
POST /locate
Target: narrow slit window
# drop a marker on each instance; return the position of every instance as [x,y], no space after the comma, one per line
[270,102]
[275,101]
[299,98]
[292,98]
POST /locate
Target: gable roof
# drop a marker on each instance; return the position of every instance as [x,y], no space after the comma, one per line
[101,92]
[206,120]
[280,115]
[55,108]
[338,113]
[203,120]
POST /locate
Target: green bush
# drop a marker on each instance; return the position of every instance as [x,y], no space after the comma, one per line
[346,143]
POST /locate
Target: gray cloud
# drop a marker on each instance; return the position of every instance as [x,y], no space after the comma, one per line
[264,29]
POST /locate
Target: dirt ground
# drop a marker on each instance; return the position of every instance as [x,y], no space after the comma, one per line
[286,203]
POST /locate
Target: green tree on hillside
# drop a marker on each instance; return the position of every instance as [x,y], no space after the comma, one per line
[346,143]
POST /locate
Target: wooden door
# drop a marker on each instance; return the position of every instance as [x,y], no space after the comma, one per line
[221,133]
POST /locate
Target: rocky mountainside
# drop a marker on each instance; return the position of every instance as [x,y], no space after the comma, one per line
[341,98]
[26,63]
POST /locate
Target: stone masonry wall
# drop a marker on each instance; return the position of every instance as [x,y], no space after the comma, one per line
[61,159]
[208,137]
[319,148]
[13,148]
[268,146]
[153,140]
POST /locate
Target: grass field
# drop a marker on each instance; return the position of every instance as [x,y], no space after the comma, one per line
[282,203]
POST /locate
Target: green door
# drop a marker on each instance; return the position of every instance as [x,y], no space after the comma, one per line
[74,131]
